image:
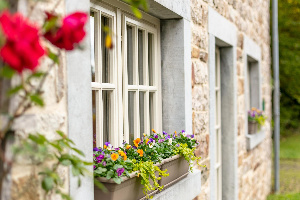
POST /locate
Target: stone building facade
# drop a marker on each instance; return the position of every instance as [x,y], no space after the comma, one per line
[190,33]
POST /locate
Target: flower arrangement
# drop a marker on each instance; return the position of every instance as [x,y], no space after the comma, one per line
[256,115]
[141,157]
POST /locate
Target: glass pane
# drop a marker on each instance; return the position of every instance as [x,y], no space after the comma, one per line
[106,53]
[142,112]
[131,103]
[130,54]
[249,92]
[217,108]
[150,59]
[106,99]
[219,182]
[140,56]
[92,26]
[151,111]
[216,70]
[94,108]
[218,145]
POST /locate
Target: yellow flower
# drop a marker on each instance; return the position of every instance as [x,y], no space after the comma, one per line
[128,146]
[108,42]
[104,147]
[141,152]
[138,175]
[136,142]
[147,140]
[114,156]
[153,131]
[144,134]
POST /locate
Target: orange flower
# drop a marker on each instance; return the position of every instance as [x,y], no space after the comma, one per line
[175,133]
[104,147]
[136,142]
[125,157]
[128,146]
[114,156]
[153,131]
[141,152]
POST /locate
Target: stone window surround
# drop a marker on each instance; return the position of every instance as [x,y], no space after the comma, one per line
[222,33]
[176,82]
[252,53]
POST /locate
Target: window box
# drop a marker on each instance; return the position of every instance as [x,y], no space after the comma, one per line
[255,139]
[252,127]
[131,187]
[177,168]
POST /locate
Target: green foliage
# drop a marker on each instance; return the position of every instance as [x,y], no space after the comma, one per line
[50,156]
[289,62]
[147,171]
[6,72]
[289,147]
[285,197]
[135,5]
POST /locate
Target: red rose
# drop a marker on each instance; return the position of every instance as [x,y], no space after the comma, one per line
[70,33]
[22,49]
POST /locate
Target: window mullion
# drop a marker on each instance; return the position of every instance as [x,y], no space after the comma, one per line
[100,119]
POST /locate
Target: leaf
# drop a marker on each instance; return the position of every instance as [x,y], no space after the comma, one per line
[75,171]
[117,180]
[78,151]
[109,174]
[79,182]
[7,72]
[36,75]
[100,185]
[118,166]
[50,24]
[100,170]
[37,100]
[14,90]
[54,57]
[3,5]
[66,162]
[47,183]
[39,139]
[136,12]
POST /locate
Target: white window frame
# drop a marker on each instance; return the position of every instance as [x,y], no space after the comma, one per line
[218,130]
[121,16]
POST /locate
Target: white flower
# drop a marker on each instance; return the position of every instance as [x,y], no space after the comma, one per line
[170,141]
[161,135]
[151,146]
[184,134]
[109,147]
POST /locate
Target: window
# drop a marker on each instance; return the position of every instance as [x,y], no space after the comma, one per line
[125,78]
[218,165]
[252,84]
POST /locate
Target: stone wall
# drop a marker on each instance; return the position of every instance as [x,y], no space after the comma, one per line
[251,17]
[41,120]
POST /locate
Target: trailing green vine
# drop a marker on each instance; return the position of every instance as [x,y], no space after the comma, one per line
[147,170]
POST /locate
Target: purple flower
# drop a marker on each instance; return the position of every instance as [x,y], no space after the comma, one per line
[177,145]
[107,143]
[161,140]
[150,140]
[120,171]
[100,158]
[155,136]
[183,131]
[174,136]
[167,137]
[192,136]
[134,147]
[104,163]
[96,149]
[117,149]
[165,133]
[94,167]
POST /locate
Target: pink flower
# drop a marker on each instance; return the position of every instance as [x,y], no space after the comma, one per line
[22,49]
[70,33]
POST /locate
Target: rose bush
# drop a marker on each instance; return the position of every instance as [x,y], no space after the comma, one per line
[22,48]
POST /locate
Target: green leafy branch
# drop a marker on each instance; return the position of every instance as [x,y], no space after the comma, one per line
[50,156]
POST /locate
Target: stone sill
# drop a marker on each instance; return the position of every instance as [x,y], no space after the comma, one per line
[255,139]
[187,189]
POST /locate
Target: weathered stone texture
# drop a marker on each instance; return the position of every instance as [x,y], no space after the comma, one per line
[251,17]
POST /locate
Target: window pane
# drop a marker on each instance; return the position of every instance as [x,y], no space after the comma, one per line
[131,103]
[249,92]
[94,108]
[106,98]
[106,53]
[151,111]
[217,107]
[140,56]
[142,112]
[92,26]
[150,59]
[130,54]
[218,145]
[216,70]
